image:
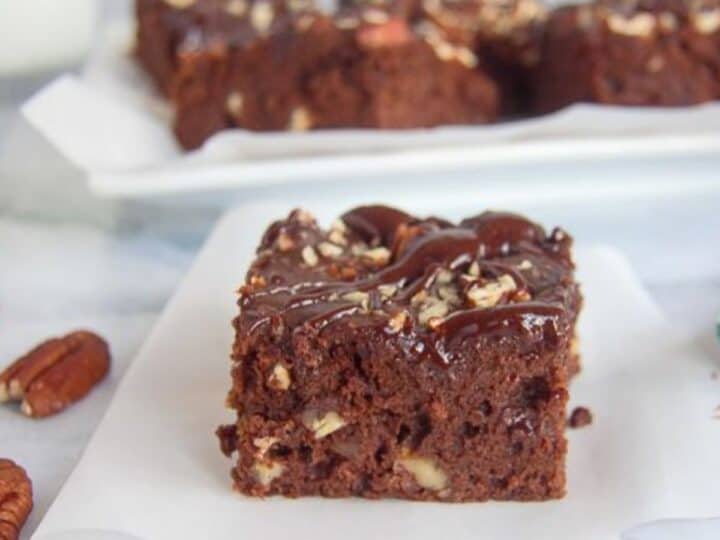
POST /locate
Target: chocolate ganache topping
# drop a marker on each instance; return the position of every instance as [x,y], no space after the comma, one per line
[496,274]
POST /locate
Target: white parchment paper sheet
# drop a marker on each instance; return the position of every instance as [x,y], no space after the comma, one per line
[153,468]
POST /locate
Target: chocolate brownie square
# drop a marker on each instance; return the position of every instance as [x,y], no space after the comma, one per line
[392,356]
[638,52]
[276,65]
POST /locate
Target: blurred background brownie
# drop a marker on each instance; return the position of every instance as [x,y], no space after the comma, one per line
[505,34]
[266,65]
[292,65]
[642,52]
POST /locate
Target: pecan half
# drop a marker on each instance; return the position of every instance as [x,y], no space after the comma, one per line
[56,373]
[15,499]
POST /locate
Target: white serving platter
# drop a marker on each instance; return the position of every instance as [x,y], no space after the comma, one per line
[153,469]
[110,122]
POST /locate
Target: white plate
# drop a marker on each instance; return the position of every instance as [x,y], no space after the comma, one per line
[112,124]
[153,469]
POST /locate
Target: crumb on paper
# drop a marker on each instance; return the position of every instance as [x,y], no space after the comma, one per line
[580,417]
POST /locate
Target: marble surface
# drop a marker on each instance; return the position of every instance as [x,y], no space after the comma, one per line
[69,260]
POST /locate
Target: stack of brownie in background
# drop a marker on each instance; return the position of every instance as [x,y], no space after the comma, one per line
[289,64]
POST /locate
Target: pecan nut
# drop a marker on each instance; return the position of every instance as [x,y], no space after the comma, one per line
[392,33]
[56,373]
[16,500]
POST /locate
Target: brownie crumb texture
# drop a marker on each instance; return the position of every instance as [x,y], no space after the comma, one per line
[393,356]
[580,417]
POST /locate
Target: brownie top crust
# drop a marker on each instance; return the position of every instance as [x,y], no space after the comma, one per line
[675,6]
[487,18]
[209,25]
[646,18]
[428,283]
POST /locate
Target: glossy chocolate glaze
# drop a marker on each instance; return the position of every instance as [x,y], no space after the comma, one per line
[297,296]
[375,224]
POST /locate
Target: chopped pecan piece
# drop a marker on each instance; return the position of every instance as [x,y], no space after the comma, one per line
[16,499]
[56,373]
[387,34]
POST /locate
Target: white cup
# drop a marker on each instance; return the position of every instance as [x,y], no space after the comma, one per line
[39,35]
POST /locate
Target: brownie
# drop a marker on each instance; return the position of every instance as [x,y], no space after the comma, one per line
[275,65]
[505,34]
[393,356]
[637,52]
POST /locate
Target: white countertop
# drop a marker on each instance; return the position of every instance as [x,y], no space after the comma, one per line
[69,260]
